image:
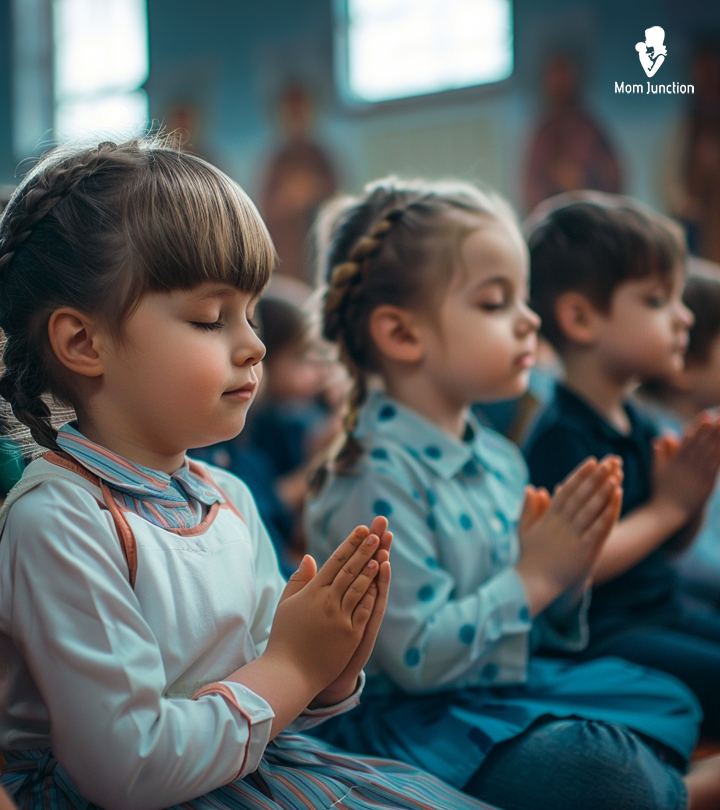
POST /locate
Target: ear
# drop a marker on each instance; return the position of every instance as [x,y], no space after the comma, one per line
[395,334]
[577,318]
[74,339]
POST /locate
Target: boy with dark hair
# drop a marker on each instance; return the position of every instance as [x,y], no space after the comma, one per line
[607,279]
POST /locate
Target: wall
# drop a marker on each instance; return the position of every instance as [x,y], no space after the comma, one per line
[234,56]
[231,57]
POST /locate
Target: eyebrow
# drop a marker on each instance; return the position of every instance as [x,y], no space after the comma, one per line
[489,281]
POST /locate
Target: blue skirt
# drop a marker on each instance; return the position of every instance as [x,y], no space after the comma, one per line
[296,773]
[450,733]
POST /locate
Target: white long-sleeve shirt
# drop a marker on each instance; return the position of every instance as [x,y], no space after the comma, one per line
[103,673]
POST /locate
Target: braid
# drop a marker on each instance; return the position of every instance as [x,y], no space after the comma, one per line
[27,209]
[345,287]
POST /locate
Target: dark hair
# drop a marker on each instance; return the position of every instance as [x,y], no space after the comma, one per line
[282,325]
[702,297]
[96,229]
[592,248]
[397,244]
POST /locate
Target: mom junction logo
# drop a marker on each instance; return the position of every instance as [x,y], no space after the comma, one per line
[652,54]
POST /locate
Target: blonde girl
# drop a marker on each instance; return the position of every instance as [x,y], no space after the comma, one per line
[152,655]
[426,299]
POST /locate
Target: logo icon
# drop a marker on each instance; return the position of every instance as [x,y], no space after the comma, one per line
[652,52]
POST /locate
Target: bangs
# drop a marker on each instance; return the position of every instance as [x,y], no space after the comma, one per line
[185,223]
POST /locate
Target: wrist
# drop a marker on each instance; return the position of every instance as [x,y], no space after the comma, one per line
[670,514]
[540,590]
[335,693]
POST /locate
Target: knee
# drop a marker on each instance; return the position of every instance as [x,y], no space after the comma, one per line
[582,763]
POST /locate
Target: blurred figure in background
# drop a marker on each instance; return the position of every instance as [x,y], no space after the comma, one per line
[569,150]
[695,186]
[673,403]
[299,178]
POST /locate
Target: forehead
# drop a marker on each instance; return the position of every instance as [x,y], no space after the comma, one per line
[493,248]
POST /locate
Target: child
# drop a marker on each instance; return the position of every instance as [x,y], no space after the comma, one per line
[427,288]
[675,402]
[151,653]
[607,281]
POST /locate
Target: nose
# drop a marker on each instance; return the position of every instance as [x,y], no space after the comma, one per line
[685,316]
[529,320]
[249,349]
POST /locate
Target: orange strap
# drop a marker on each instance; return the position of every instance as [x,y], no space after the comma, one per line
[125,533]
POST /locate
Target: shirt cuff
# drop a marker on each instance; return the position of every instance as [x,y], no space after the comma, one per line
[313,717]
[565,628]
[255,711]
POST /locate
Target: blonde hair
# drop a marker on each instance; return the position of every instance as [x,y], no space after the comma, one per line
[398,243]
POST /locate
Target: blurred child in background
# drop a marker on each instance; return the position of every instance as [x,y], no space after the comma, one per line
[607,280]
[675,401]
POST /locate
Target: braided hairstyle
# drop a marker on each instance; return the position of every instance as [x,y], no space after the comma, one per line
[95,229]
[397,244]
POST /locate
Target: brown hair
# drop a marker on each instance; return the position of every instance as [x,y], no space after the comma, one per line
[592,248]
[96,229]
[702,297]
[397,244]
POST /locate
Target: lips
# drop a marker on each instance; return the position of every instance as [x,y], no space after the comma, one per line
[244,392]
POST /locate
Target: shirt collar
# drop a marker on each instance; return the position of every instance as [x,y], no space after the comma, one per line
[134,479]
[572,403]
[423,439]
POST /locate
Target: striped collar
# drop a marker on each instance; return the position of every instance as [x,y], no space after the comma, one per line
[133,479]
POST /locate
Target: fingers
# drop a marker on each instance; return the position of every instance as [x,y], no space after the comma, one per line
[594,507]
[355,568]
[358,587]
[574,496]
[305,572]
[599,531]
[574,480]
[342,554]
[527,516]
[380,588]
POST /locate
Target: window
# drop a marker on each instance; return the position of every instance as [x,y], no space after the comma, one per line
[390,49]
[100,64]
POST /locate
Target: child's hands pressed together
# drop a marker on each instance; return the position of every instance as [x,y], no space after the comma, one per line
[321,620]
[560,538]
[686,469]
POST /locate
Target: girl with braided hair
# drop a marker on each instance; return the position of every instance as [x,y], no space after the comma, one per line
[426,299]
[152,655]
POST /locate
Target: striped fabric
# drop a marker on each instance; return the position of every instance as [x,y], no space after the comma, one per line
[176,501]
[296,773]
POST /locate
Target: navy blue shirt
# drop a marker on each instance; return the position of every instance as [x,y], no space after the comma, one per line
[567,432]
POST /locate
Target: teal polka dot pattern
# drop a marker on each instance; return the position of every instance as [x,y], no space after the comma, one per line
[386,413]
[412,657]
[426,593]
[431,497]
[490,671]
[466,522]
[382,507]
[431,451]
[379,453]
[431,562]
[524,615]
[467,633]
[469,468]
[431,522]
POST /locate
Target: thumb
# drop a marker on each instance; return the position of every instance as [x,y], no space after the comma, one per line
[305,572]
[529,510]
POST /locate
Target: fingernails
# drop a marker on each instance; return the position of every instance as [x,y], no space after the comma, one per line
[371,540]
[372,565]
